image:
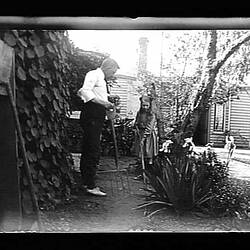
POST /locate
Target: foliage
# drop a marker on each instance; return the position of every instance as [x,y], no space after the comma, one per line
[195,183]
[210,59]
[183,181]
[75,134]
[230,198]
[42,102]
[124,135]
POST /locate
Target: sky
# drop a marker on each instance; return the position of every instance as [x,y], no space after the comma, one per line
[122,45]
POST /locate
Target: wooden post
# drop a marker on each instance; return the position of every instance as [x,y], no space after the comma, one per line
[9,214]
[10,209]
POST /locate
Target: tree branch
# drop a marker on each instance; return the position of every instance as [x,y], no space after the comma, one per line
[231,50]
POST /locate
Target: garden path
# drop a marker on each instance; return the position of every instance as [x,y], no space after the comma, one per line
[115,212]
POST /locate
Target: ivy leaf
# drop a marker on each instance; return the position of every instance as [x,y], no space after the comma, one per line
[33,74]
[42,73]
[54,160]
[49,125]
[44,164]
[47,142]
[37,110]
[34,159]
[33,66]
[55,64]
[50,48]
[39,154]
[56,107]
[30,53]
[29,123]
[55,180]
[21,73]
[39,51]
[23,42]
[34,132]
[41,102]
[29,156]
[37,92]
[34,40]
[44,130]
[52,36]
[15,33]
[42,83]
[28,137]
[53,141]
[21,54]
[49,97]
[43,182]
[64,169]
[9,39]
[41,147]
[27,111]
[56,93]
[25,181]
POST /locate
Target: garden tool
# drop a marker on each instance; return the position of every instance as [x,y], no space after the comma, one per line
[22,146]
[142,157]
[116,173]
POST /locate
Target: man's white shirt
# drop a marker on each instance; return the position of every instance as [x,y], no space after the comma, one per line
[94,86]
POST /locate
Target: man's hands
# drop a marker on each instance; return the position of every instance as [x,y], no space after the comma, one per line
[108,105]
[111,113]
[114,100]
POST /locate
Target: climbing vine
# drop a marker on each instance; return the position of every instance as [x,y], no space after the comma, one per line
[42,98]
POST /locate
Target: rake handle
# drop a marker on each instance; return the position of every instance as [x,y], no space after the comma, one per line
[115,143]
[142,156]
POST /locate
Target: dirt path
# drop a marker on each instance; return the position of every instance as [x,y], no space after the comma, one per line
[115,212]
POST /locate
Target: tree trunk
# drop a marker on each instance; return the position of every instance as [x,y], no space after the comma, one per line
[208,80]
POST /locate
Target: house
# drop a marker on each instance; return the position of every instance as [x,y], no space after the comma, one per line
[126,89]
[234,115]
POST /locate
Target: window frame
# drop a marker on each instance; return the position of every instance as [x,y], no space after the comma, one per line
[222,129]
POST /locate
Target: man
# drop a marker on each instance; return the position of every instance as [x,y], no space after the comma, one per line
[95,96]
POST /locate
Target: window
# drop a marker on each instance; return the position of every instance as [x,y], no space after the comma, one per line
[219,111]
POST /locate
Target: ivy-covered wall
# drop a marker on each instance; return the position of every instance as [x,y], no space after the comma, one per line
[43,94]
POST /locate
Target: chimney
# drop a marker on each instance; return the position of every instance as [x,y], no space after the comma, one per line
[143,49]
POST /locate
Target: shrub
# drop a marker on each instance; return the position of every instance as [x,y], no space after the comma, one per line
[194,182]
[230,198]
[124,136]
[183,182]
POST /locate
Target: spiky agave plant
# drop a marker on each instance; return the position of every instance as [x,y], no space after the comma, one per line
[180,181]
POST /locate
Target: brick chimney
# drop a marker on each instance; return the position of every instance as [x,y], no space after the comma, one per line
[143,50]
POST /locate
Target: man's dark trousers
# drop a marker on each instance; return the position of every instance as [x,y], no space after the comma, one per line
[91,119]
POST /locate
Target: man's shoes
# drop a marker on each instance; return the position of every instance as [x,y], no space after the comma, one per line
[95,191]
